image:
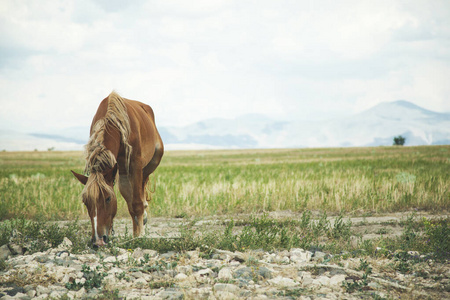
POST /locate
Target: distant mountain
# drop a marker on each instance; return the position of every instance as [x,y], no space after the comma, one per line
[376,126]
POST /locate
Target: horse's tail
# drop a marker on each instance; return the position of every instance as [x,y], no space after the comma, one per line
[117,116]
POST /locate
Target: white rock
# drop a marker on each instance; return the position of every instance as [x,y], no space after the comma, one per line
[109,259]
[225,287]
[283,282]
[321,280]
[31,293]
[299,255]
[284,260]
[181,277]
[40,290]
[140,283]
[110,280]
[79,294]
[225,274]
[115,271]
[184,269]
[4,252]
[203,273]
[71,295]
[225,296]
[337,280]
[66,244]
[55,295]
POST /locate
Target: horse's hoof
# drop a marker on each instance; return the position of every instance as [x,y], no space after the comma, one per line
[145,218]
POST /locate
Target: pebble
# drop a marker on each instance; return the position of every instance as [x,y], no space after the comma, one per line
[145,274]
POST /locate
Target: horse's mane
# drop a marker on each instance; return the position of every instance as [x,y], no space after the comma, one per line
[98,158]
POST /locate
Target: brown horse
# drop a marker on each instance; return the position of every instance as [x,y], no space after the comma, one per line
[123,138]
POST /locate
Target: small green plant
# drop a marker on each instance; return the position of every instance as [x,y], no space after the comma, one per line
[161,284]
[359,284]
[123,276]
[437,235]
[340,230]
[93,279]
[3,265]
[403,262]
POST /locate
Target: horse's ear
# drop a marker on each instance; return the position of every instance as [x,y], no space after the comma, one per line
[110,175]
[83,179]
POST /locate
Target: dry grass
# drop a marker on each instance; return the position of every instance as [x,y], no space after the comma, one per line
[198,183]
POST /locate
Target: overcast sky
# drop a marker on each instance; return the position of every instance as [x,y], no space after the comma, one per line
[192,60]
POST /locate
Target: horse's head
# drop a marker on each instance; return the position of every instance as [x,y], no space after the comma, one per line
[101,202]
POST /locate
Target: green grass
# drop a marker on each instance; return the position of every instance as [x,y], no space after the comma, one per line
[426,236]
[199,183]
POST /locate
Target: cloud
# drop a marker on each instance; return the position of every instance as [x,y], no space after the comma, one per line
[194,60]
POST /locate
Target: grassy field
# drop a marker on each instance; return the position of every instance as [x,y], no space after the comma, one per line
[39,185]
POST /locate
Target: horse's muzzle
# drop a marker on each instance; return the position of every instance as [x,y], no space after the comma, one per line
[100,242]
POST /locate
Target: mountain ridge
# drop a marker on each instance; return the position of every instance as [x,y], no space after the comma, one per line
[375,126]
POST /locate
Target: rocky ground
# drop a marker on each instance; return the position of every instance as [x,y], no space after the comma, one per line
[256,274]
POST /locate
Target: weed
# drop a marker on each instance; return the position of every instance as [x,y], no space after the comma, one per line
[437,235]
[161,284]
[382,231]
[123,276]
[3,265]
[359,284]
[93,279]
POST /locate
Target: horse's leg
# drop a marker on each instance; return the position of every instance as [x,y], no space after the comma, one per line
[146,171]
[130,188]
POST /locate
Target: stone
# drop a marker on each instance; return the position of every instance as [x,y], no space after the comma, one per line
[319,256]
[299,255]
[282,282]
[80,293]
[184,269]
[56,295]
[5,253]
[41,290]
[150,253]
[110,280]
[203,273]
[322,280]
[66,244]
[244,273]
[181,277]
[137,253]
[15,249]
[306,281]
[140,283]
[414,253]
[171,295]
[337,280]
[225,296]
[374,285]
[225,274]
[168,255]
[120,258]
[334,272]
[42,259]
[264,273]
[225,287]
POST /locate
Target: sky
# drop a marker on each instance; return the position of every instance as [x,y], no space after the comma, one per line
[194,60]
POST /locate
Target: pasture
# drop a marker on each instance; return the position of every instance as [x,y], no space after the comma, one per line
[388,234]
[39,185]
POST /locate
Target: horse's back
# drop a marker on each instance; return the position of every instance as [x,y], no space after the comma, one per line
[144,132]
